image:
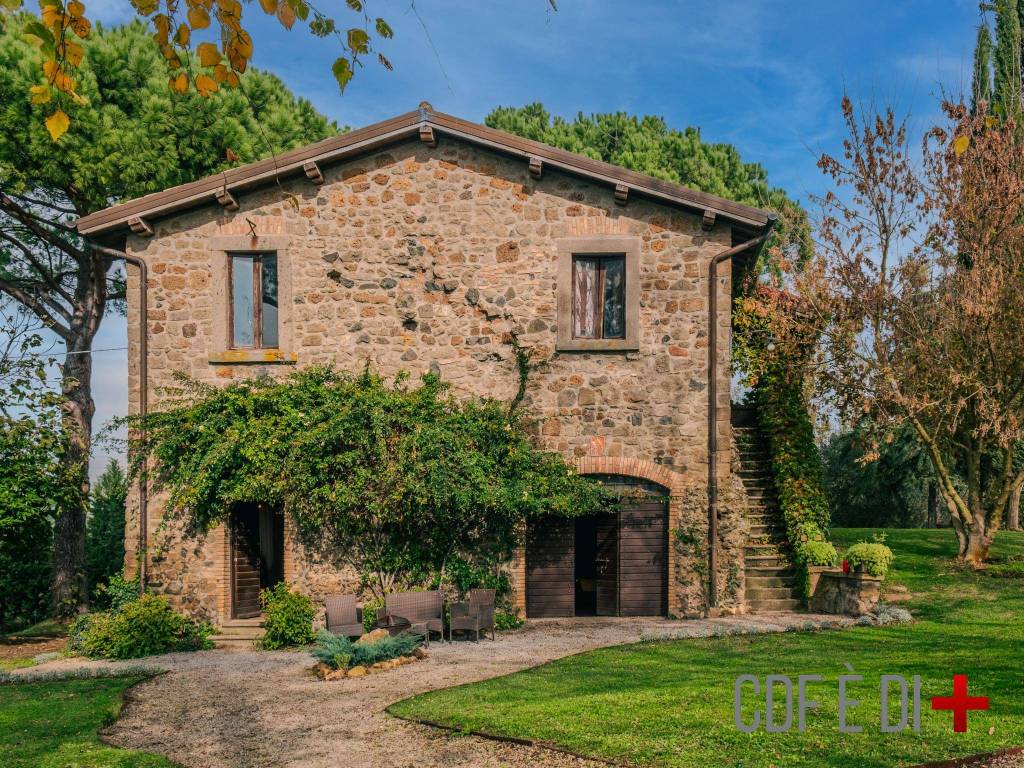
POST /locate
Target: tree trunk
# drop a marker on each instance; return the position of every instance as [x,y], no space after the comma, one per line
[1013,510]
[977,546]
[69,589]
[933,505]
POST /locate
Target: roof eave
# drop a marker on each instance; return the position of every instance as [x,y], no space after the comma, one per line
[346,146]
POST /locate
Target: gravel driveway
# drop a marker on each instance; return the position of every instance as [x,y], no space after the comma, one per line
[242,709]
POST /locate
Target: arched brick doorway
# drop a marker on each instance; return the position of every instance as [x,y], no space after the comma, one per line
[608,565]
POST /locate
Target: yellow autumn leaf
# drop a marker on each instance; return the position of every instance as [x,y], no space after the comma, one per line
[72,52]
[198,17]
[286,15]
[81,26]
[57,124]
[961,144]
[40,94]
[162,23]
[76,8]
[208,54]
[179,84]
[220,73]
[269,6]
[182,35]
[205,85]
[233,79]
[243,44]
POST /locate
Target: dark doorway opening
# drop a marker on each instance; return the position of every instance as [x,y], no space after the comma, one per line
[596,565]
[257,556]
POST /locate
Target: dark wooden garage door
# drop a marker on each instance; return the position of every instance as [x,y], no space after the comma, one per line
[550,564]
[643,557]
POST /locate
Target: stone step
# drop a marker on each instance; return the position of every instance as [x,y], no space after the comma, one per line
[766,561]
[770,572]
[768,582]
[222,643]
[779,604]
[255,621]
[762,594]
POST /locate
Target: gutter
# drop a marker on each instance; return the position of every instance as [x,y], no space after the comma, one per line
[713,402]
[143,396]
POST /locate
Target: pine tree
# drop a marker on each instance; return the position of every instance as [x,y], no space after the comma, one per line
[133,136]
[104,538]
[1007,59]
[981,85]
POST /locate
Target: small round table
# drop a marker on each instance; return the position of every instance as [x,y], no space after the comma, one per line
[395,625]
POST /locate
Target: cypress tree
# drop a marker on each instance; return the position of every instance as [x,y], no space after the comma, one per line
[1007,59]
[981,85]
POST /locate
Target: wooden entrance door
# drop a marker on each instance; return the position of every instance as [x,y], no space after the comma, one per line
[643,557]
[550,566]
[257,556]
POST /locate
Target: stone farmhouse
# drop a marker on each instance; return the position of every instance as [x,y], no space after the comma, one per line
[420,243]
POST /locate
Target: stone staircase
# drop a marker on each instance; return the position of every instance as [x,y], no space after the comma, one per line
[238,634]
[770,578]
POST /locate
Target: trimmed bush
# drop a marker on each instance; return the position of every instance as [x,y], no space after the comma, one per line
[342,653]
[874,557]
[142,627]
[504,620]
[288,617]
[818,553]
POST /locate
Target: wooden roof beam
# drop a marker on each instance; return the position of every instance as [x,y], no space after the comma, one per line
[427,135]
[313,172]
[226,199]
[621,194]
[536,167]
[707,222]
[140,227]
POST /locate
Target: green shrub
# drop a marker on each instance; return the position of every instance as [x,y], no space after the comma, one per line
[342,653]
[818,553]
[504,620]
[370,610]
[874,557]
[288,617]
[117,592]
[142,627]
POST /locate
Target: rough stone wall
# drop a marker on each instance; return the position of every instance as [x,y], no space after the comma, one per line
[417,259]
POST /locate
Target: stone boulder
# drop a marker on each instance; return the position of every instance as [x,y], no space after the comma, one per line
[373,637]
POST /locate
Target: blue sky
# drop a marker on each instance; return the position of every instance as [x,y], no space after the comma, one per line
[764,75]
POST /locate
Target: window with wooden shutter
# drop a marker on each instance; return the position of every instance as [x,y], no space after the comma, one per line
[598,294]
[599,297]
[254,300]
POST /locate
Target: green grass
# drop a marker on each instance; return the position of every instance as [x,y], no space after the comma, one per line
[55,724]
[44,628]
[671,703]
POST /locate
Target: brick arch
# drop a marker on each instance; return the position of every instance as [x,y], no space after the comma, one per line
[646,470]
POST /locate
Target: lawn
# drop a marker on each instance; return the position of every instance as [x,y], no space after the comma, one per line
[55,724]
[671,703]
[18,649]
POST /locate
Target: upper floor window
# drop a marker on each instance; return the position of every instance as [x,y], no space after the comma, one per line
[253,300]
[599,296]
[598,293]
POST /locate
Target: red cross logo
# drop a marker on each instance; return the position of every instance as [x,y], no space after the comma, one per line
[960,703]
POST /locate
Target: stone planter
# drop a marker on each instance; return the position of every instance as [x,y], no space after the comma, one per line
[851,594]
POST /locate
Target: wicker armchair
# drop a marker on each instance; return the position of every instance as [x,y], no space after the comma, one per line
[343,617]
[476,614]
[424,610]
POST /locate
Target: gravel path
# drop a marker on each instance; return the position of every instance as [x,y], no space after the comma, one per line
[224,709]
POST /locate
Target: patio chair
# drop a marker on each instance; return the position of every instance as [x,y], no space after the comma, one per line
[475,614]
[424,610]
[343,617]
